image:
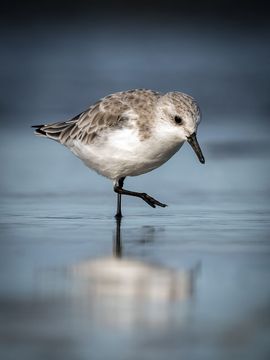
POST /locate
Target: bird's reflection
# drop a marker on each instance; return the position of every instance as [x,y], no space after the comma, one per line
[124,290]
[117,243]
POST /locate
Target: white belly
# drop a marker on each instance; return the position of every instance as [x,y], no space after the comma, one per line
[122,153]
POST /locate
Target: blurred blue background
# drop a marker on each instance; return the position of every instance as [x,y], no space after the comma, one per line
[193,278]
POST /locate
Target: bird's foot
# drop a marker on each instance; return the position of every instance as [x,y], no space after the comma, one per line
[151,201]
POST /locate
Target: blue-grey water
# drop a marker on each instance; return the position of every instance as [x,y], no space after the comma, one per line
[189,281]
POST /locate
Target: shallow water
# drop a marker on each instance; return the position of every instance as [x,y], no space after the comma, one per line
[190,280]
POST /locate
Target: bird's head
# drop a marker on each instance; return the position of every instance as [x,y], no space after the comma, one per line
[183,114]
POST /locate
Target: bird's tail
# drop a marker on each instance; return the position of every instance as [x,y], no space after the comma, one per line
[56,131]
[38,130]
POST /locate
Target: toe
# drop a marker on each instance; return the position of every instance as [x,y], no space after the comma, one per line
[162,205]
[151,201]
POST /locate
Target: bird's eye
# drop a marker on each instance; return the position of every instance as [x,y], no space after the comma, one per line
[178,120]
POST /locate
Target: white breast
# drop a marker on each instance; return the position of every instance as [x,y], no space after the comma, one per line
[120,152]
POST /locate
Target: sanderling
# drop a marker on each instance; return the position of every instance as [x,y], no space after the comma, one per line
[129,133]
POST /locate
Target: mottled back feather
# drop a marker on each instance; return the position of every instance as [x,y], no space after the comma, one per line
[109,112]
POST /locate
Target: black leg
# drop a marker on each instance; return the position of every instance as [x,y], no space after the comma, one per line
[145,197]
[118,214]
[120,184]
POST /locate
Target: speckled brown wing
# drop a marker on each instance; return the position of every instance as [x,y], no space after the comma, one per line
[106,113]
[91,123]
[87,125]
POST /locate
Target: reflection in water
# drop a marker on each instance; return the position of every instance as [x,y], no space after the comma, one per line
[117,244]
[121,290]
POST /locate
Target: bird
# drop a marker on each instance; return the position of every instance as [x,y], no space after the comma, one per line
[129,133]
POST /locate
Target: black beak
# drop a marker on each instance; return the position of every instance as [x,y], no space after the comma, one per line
[192,140]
